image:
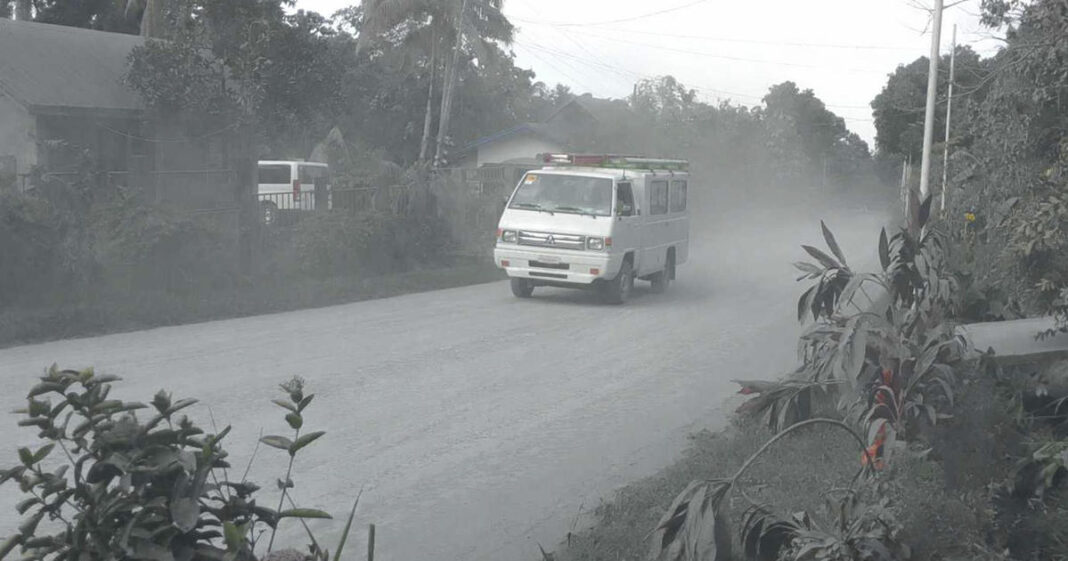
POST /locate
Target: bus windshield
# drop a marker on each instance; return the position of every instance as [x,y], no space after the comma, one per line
[564,193]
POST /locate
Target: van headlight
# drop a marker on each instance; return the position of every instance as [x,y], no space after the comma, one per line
[595,244]
[509,236]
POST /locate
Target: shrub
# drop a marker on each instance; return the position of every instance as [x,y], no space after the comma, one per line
[32,237]
[130,487]
[139,246]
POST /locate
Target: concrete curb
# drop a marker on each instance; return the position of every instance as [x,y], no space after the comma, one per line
[1015,341]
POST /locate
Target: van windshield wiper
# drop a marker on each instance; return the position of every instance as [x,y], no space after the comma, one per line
[532,206]
[576,210]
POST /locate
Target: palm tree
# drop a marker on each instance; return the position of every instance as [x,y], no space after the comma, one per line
[475,23]
[24,10]
[153,15]
[451,27]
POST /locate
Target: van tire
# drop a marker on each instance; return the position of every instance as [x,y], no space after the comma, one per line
[662,279]
[660,282]
[522,288]
[269,213]
[618,290]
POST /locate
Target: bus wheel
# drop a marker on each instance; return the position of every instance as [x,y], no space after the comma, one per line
[618,290]
[522,288]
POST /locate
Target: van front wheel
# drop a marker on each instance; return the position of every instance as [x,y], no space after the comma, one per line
[522,288]
[618,290]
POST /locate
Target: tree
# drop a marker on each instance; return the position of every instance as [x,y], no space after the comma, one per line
[24,10]
[899,108]
[105,15]
[809,140]
[477,24]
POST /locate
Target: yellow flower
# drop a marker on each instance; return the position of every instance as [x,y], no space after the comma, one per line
[969,216]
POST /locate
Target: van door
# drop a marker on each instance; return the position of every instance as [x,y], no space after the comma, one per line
[313,177]
[680,229]
[657,230]
[275,187]
[627,231]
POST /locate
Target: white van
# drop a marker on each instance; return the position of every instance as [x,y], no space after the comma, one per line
[599,222]
[286,185]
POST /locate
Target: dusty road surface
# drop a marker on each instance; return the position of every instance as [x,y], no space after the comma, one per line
[477,424]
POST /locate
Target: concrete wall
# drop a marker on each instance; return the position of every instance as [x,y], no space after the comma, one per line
[520,146]
[18,134]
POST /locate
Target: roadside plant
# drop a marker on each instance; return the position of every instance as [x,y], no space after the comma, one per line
[695,527]
[128,480]
[126,487]
[859,531]
[1042,469]
[878,343]
[294,404]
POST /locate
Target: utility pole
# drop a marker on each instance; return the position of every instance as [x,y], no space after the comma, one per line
[932,96]
[949,113]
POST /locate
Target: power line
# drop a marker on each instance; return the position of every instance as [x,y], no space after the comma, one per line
[634,75]
[761,42]
[555,67]
[734,58]
[611,22]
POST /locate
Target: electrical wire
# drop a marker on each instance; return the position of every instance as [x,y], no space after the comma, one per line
[736,58]
[764,42]
[637,76]
[615,21]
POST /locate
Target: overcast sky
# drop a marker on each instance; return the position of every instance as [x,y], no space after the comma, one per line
[841,49]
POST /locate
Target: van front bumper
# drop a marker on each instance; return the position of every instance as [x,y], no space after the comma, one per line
[554,266]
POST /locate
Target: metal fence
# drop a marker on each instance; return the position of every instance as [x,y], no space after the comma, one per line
[279,208]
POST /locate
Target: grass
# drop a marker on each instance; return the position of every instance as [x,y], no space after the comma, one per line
[114,313]
[793,475]
[942,501]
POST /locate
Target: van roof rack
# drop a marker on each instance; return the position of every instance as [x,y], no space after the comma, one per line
[614,161]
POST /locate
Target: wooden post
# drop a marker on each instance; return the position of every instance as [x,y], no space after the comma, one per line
[371,543]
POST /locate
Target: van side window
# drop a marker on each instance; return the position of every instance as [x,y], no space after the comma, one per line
[274,173]
[308,174]
[624,199]
[678,196]
[658,197]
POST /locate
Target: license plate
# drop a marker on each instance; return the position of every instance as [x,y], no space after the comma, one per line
[548,259]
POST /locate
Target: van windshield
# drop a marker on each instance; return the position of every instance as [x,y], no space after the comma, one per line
[564,193]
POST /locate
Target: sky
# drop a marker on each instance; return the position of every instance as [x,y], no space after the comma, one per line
[841,49]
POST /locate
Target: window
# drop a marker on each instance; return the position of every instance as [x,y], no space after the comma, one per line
[573,194]
[624,200]
[678,196]
[658,197]
[276,173]
[309,174]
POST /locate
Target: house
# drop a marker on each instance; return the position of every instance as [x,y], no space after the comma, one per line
[62,96]
[582,123]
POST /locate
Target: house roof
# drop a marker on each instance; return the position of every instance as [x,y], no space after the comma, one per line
[602,110]
[540,130]
[52,67]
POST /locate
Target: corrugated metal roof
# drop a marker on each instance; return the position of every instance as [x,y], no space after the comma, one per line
[47,66]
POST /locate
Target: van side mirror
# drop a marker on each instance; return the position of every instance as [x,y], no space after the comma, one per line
[625,210]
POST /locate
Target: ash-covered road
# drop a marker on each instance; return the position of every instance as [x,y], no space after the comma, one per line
[477,424]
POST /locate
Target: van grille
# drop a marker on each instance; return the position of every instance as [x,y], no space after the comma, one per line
[545,239]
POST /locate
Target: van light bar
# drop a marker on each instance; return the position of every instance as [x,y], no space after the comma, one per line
[616,162]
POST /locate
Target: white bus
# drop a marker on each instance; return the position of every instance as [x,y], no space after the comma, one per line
[588,221]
